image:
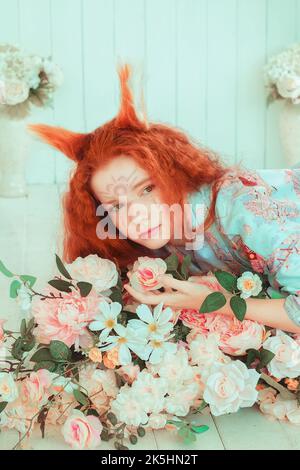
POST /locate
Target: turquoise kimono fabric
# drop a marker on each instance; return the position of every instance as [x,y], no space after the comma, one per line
[257,228]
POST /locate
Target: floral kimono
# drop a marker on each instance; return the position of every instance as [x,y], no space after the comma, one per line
[257,228]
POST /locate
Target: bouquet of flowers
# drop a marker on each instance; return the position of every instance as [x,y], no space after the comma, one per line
[282,75]
[100,365]
[25,80]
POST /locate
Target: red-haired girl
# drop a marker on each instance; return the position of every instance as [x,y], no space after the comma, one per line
[129,173]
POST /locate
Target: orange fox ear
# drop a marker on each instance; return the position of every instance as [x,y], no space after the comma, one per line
[72,144]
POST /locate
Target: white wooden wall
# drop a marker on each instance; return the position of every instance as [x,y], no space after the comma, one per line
[202,62]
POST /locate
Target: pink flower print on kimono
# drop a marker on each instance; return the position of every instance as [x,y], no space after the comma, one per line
[262,205]
[258,262]
[222,254]
[295,179]
[284,264]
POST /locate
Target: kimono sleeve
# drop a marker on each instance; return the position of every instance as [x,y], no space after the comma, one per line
[270,228]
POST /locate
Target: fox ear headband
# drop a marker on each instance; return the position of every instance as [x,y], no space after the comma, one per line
[73,144]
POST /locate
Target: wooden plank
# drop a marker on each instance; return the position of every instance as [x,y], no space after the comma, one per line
[36,38]
[9,21]
[67,30]
[101,81]
[191,68]
[160,75]
[251,94]
[250,429]
[210,440]
[222,76]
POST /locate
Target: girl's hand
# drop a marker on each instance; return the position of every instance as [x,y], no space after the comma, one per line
[188,294]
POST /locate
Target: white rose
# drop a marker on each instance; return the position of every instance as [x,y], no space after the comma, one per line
[229,387]
[100,272]
[249,284]
[16,91]
[286,363]
[8,387]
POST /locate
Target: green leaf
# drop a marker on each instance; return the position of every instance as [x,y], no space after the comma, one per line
[185,266]
[14,287]
[133,439]
[172,262]
[17,349]
[116,295]
[85,288]
[227,280]
[179,424]
[112,418]
[3,405]
[187,435]
[61,285]
[252,354]
[48,365]
[5,271]
[202,406]
[213,302]
[199,429]
[81,397]
[266,357]
[23,328]
[239,307]
[60,351]
[42,354]
[28,343]
[141,431]
[62,268]
[30,279]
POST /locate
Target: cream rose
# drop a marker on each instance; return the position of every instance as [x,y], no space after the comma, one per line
[286,363]
[229,387]
[100,272]
[249,284]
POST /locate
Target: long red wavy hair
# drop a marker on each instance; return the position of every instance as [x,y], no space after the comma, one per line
[176,164]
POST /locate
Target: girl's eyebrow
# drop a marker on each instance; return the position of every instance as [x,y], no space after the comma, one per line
[133,187]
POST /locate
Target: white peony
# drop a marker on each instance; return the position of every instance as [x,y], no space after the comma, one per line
[174,367]
[286,363]
[181,398]
[204,351]
[102,273]
[157,421]
[152,390]
[229,387]
[128,409]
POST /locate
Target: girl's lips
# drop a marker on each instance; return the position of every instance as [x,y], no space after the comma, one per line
[149,232]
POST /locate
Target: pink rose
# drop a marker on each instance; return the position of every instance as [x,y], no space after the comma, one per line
[35,388]
[82,432]
[64,319]
[145,273]
[129,372]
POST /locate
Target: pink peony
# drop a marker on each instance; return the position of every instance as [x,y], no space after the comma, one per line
[235,337]
[64,319]
[82,432]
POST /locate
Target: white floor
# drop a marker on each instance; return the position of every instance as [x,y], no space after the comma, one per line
[28,241]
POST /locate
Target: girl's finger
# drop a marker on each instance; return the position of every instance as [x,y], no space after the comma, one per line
[168,281]
[150,298]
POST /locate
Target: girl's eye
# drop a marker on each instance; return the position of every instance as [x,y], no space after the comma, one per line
[151,186]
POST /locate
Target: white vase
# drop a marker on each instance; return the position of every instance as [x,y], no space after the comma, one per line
[14,145]
[289,129]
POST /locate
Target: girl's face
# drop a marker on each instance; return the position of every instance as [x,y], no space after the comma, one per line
[133,202]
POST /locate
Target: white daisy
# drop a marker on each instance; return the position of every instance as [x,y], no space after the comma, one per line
[156,324]
[106,320]
[160,346]
[128,340]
